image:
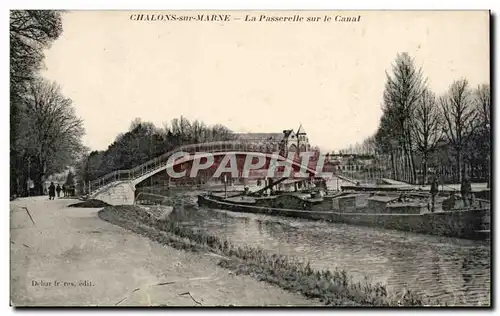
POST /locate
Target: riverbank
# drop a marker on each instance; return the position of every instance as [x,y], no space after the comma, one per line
[62,256]
[331,288]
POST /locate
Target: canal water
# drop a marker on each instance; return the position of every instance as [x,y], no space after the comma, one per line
[451,270]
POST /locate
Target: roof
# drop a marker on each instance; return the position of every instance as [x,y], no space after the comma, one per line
[382,198]
[287,132]
[348,196]
[260,136]
[290,181]
[301,130]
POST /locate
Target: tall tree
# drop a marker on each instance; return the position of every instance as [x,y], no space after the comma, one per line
[482,104]
[426,127]
[459,116]
[386,139]
[402,91]
[482,100]
[52,133]
[31,32]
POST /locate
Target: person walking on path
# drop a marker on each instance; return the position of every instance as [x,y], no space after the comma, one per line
[52,191]
[58,189]
[465,191]
[64,190]
[434,192]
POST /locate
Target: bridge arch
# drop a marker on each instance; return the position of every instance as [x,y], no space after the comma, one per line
[190,158]
[125,180]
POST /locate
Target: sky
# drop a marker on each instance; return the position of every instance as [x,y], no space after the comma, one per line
[256,76]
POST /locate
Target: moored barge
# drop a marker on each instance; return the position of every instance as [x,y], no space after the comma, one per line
[408,212]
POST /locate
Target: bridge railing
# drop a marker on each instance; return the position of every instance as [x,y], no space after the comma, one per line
[248,145]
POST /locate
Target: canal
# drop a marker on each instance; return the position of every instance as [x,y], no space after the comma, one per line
[454,271]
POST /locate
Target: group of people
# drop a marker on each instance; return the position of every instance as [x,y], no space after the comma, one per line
[57,189]
[465,192]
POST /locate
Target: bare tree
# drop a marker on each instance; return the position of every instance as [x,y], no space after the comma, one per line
[482,99]
[403,90]
[426,127]
[387,143]
[52,130]
[483,104]
[31,32]
[459,115]
[185,130]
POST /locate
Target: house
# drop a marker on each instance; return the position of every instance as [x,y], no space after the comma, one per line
[290,140]
[296,141]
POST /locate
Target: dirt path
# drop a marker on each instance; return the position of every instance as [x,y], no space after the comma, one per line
[67,256]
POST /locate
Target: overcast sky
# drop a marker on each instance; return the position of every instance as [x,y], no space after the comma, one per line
[256,77]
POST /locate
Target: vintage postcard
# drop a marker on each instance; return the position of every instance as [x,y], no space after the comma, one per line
[250,158]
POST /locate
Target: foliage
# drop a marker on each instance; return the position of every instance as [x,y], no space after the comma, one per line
[31,32]
[70,179]
[51,134]
[145,141]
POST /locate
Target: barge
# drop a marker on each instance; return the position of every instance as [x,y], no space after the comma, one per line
[404,212]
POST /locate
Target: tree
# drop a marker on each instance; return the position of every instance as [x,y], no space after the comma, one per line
[70,179]
[459,117]
[403,90]
[482,104]
[52,133]
[87,167]
[31,32]
[426,127]
[144,141]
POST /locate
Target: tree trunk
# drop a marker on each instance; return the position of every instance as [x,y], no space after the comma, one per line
[459,165]
[412,161]
[396,167]
[39,183]
[488,168]
[424,171]
[393,166]
[410,166]
[404,164]
[413,169]
[40,175]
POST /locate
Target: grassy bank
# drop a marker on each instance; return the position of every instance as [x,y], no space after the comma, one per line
[332,288]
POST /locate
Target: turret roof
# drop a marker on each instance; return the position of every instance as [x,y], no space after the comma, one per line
[301,130]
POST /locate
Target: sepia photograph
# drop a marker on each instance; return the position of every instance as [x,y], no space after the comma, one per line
[250,158]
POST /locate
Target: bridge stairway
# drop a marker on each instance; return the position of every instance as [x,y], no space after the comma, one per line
[94,193]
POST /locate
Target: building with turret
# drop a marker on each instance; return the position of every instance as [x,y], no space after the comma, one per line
[296,141]
[290,140]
